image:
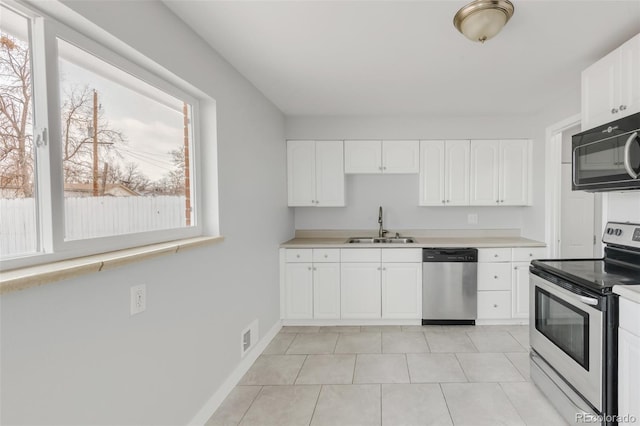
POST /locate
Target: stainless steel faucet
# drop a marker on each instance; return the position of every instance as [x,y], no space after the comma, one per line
[381,230]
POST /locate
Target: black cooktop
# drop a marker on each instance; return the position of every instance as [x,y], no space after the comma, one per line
[594,274]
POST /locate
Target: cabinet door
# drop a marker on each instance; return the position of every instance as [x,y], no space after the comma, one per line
[299,291]
[402,290]
[628,375]
[600,89]
[485,168]
[520,290]
[457,173]
[329,174]
[514,172]
[494,304]
[326,290]
[432,173]
[362,157]
[301,173]
[630,77]
[400,156]
[360,290]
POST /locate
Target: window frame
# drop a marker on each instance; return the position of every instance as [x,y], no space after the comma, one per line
[43,38]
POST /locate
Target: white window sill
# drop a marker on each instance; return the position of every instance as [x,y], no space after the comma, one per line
[22,278]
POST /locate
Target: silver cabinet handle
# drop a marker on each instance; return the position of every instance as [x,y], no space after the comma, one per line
[309,268]
[627,156]
[298,256]
[326,255]
[379,268]
[447,201]
[495,255]
[495,277]
[495,306]
[384,269]
[384,168]
[315,269]
[614,110]
[623,107]
[442,201]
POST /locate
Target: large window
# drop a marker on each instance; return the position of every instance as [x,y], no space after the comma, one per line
[97,153]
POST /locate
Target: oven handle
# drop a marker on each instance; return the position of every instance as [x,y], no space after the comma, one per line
[627,156]
[588,300]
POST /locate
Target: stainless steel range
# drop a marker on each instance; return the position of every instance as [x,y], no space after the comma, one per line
[574,326]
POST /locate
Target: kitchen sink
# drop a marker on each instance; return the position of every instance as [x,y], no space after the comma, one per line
[383,240]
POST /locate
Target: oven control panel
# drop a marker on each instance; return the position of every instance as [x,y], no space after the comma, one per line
[624,234]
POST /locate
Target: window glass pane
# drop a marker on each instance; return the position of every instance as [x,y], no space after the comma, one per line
[18,228]
[125,150]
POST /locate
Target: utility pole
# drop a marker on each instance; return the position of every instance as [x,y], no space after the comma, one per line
[95,143]
[187,180]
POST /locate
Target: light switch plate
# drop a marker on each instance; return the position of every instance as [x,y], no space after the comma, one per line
[138,299]
[472,218]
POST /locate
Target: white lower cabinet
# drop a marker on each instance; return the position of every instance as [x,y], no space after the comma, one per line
[299,290]
[494,305]
[326,290]
[520,290]
[629,362]
[402,290]
[360,290]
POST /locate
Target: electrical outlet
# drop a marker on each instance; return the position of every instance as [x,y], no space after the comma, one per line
[138,299]
[472,218]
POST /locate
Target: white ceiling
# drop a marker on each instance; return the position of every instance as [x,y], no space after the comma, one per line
[406,57]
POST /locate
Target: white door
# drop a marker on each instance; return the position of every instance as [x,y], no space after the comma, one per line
[400,156]
[362,157]
[432,173]
[301,173]
[600,88]
[402,290]
[360,290]
[329,174]
[629,72]
[457,173]
[299,291]
[628,376]
[514,172]
[576,220]
[326,290]
[485,172]
[520,290]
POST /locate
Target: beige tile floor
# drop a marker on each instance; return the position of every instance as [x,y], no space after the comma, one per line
[390,375]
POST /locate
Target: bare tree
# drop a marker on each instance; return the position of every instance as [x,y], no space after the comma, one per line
[16,141]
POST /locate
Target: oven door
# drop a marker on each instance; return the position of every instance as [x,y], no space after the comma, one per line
[566,331]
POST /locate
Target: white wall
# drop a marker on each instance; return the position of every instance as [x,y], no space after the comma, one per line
[622,207]
[399,194]
[71,354]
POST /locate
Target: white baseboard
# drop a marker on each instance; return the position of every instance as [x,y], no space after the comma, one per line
[363,322]
[225,389]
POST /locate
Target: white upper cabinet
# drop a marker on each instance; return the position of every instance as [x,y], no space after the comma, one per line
[611,86]
[400,156]
[366,157]
[315,173]
[485,172]
[431,173]
[515,170]
[456,185]
[363,156]
[500,172]
[444,173]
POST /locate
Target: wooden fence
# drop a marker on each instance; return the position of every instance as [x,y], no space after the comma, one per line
[89,217]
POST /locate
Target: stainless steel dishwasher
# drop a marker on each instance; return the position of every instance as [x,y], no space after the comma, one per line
[449,285]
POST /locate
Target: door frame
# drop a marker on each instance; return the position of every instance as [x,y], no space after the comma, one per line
[553,182]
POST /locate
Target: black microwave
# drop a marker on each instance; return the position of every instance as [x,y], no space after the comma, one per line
[607,158]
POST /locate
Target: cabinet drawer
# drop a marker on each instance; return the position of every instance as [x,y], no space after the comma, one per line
[527,254]
[402,255]
[360,255]
[494,276]
[630,316]
[494,304]
[326,255]
[494,255]
[298,255]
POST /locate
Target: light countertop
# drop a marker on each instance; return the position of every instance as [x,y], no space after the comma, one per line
[439,241]
[631,292]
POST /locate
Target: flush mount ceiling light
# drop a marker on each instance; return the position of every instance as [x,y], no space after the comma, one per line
[481,20]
